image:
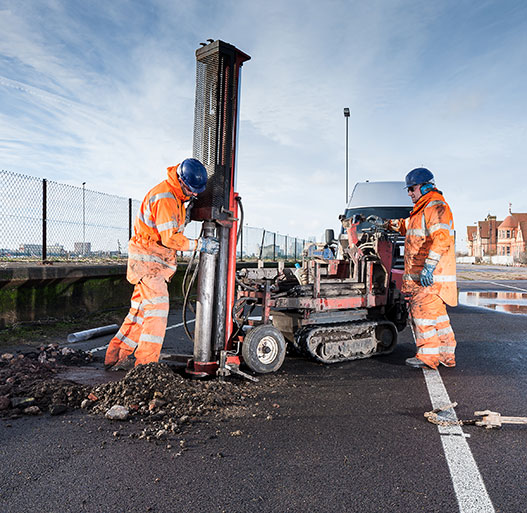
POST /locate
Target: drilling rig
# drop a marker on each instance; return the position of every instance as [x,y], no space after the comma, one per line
[343,303]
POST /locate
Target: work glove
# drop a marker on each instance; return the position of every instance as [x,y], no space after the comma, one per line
[375,220]
[209,245]
[391,225]
[427,275]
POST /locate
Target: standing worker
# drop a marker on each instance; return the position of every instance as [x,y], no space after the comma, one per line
[158,235]
[429,270]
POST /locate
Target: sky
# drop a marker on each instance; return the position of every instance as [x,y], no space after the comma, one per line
[103,93]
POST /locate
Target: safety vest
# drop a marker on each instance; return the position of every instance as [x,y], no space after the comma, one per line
[158,231]
[429,234]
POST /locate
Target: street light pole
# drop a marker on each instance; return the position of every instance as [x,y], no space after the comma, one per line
[346,115]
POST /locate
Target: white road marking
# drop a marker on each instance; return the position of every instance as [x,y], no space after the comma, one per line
[502,285]
[95,349]
[471,493]
[102,348]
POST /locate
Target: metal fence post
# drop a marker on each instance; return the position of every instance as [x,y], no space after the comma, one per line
[274,247]
[129,218]
[84,219]
[262,245]
[295,249]
[44,219]
[286,247]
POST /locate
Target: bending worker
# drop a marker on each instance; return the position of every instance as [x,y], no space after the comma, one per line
[429,270]
[158,235]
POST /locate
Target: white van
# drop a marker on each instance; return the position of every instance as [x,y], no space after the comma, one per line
[388,200]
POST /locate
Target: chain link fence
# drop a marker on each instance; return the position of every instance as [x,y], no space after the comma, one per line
[45,220]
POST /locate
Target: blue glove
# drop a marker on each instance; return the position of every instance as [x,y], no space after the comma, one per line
[427,275]
[210,245]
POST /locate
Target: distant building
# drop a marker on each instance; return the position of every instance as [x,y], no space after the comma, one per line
[36,250]
[31,249]
[482,239]
[512,235]
[82,248]
[503,238]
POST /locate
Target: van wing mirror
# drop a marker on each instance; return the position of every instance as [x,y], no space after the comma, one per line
[330,236]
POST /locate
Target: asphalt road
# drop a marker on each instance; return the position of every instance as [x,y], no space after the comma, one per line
[347,437]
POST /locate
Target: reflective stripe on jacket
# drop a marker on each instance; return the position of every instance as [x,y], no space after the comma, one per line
[158,231]
[429,235]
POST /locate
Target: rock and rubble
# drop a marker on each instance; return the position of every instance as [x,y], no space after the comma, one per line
[157,401]
[164,402]
[28,380]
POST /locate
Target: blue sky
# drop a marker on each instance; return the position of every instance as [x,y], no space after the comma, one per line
[103,93]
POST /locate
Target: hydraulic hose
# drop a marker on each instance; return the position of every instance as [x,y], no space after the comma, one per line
[246,287]
[240,228]
[186,288]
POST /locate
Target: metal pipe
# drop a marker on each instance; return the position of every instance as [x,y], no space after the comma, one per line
[347,115]
[94,332]
[220,295]
[205,301]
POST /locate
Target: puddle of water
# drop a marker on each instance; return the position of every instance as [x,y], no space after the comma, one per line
[89,375]
[510,302]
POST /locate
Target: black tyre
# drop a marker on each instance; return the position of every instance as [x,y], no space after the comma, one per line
[386,335]
[263,349]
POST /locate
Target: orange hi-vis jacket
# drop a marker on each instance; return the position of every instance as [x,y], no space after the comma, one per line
[429,235]
[158,231]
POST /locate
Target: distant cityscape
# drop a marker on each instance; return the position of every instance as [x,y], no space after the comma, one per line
[80,250]
[84,250]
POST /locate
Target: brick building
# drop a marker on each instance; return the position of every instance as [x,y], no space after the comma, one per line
[512,235]
[482,239]
[503,238]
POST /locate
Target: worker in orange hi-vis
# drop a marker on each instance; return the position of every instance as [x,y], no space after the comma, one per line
[429,270]
[158,235]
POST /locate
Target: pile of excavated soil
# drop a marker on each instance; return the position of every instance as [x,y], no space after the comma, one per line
[164,401]
[28,383]
[158,401]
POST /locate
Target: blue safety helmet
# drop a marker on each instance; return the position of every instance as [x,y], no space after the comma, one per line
[418,176]
[193,175]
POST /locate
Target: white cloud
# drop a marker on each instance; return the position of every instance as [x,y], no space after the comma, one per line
[103,93]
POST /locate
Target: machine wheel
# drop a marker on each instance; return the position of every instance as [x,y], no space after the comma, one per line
[263,349]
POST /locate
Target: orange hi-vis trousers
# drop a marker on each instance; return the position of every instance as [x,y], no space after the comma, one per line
[143,329]
[434,336]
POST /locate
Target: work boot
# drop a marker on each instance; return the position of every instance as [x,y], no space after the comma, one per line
[448,363]
[125,364]
[416,363]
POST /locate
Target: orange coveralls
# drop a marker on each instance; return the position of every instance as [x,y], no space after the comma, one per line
[429,235]
[158,234]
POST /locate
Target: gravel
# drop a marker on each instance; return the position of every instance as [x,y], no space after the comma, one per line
[165,402]
[154,400]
